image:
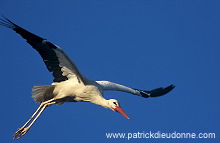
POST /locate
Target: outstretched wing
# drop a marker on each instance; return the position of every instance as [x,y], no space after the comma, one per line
[53,56]
[106,85]
[155,92]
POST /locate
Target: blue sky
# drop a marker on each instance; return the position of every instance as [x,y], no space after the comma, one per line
[141,44]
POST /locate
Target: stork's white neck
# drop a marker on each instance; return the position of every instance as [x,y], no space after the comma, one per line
[100,101]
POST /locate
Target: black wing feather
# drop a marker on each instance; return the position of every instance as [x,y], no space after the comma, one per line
[155,92]
[47,52]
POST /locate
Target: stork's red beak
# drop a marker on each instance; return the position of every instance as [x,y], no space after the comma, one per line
[120,110]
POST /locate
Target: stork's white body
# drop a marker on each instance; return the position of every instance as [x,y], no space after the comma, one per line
[69,84]
[77,92]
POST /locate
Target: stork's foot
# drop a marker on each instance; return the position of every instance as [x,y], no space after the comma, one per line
[20,132]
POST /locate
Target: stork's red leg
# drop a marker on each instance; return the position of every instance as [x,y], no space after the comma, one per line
[23,130]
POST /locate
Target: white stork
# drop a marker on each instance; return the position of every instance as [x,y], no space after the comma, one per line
[69,84]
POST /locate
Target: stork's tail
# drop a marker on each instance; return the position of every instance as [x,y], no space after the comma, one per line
[42,93]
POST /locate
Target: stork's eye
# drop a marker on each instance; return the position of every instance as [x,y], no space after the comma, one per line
[115,103]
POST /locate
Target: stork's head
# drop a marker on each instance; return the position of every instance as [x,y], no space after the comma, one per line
[115,106]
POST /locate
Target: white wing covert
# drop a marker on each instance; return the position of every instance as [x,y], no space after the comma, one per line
[106,85]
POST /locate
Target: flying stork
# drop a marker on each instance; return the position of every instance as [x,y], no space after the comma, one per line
[69,84]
